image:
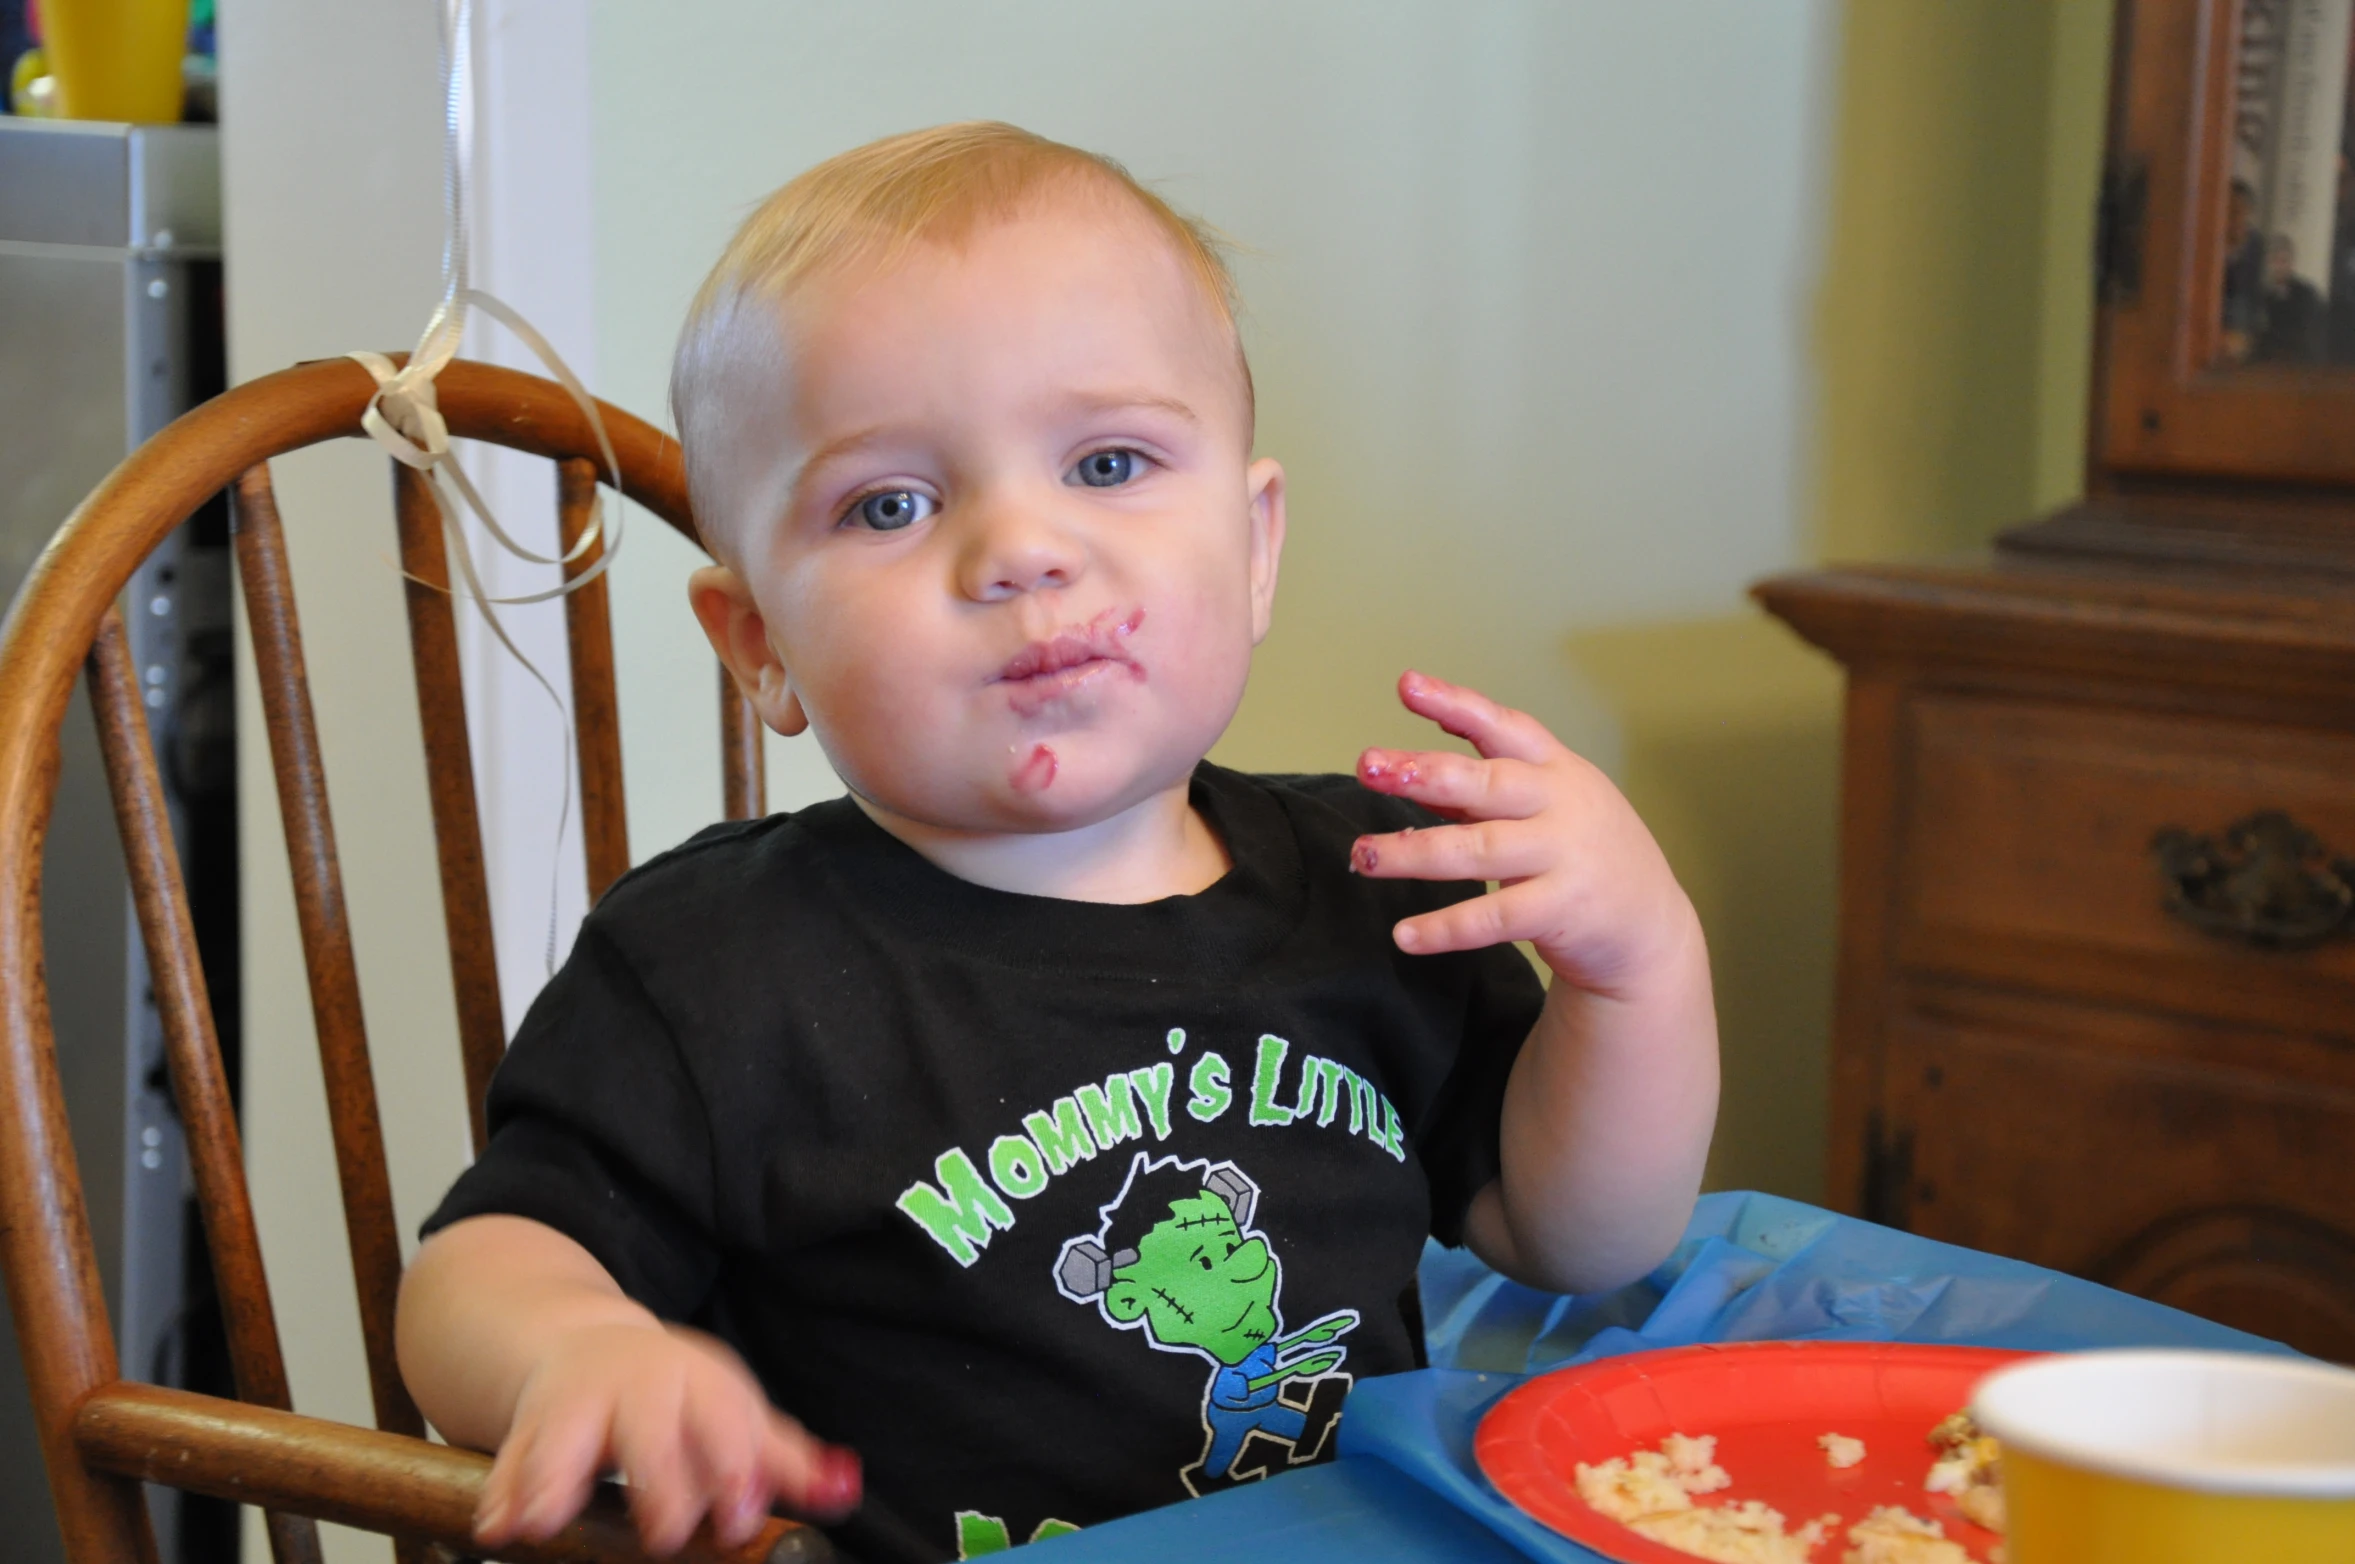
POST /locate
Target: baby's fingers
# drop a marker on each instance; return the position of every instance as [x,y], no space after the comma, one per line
[1498,732]
[1454,785]
[1516,912]
[726,1429]
[494,1511]
[1477,850]
[816,1479]
[666,1500]
[543,1476]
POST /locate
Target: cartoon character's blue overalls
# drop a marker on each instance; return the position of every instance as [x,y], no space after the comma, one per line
[1235,1409]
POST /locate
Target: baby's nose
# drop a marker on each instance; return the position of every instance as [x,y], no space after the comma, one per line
[1013,549]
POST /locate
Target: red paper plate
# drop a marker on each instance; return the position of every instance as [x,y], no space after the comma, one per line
[1766,1402]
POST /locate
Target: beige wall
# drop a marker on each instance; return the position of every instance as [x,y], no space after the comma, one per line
[1954,323]
[1525,282]
[1951,334]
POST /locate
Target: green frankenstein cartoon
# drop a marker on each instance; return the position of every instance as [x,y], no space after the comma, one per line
[1178,1258]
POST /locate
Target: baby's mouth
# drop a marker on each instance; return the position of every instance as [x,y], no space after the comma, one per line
[1062,665]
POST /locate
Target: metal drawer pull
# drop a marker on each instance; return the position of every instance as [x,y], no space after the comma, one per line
[2267,882]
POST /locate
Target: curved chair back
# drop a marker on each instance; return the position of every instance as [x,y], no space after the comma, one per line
[64,625]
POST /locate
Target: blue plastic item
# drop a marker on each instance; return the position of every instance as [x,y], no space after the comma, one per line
[1751,1268]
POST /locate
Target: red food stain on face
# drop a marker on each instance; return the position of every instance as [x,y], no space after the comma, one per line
[1062,666]
[1036,771]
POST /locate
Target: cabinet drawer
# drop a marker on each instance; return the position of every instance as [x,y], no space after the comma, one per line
[2025,853]
[2103,1150]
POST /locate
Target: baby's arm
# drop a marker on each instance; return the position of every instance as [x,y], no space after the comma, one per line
[513,1338]
[1608,1114]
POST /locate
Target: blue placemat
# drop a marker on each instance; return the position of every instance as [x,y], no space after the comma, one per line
[1357,1510]
[1751,1268]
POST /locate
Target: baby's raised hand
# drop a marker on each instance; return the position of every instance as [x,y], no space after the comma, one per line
[685,1422]
[1578,875]
[1605,1124]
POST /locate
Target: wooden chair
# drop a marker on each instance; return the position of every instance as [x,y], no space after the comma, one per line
[103,1435]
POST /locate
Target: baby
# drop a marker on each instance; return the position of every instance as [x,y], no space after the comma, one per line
[1057,1120]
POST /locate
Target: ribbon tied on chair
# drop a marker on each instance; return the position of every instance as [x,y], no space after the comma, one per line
[404,416]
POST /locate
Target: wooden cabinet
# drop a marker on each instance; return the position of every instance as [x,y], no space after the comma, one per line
[2034,1055]
[2097,971]
[2135,1154]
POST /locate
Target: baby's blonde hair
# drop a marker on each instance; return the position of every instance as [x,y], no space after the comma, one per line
[868,206]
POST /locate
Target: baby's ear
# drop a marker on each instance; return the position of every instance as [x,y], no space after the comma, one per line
[1125,1302]
[1266,480]
[733,624]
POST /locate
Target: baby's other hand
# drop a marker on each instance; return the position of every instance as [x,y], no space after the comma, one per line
[1578,875]
[684,1421]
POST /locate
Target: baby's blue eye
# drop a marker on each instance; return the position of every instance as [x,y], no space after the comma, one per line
[892,510]
[1109,469]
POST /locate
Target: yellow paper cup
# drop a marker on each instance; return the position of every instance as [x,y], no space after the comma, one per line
[2174,1458]
[116,59]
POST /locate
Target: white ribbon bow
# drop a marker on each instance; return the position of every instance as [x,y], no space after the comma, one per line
[405,417]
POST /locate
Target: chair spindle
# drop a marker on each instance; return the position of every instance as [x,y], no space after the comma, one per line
[596,709]
[192,1050]
[449,775]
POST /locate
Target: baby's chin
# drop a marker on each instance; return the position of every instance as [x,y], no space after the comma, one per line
[1037,787]
[1055,784]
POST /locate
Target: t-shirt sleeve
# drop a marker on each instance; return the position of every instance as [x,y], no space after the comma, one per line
[599,1131]
[1458,1140]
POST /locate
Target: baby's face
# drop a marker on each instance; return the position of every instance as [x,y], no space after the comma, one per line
[1005,548]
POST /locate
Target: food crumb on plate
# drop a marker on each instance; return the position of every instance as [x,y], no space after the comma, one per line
[1747,1533]
[1652,1482]
[1969,1468]
[1840,1450]
[1651,1493]
[1893,1534]
[1695,1462]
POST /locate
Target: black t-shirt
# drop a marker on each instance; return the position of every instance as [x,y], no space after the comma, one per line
[1054,1210]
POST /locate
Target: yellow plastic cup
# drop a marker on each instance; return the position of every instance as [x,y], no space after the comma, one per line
[2174,1458]
[116,59]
